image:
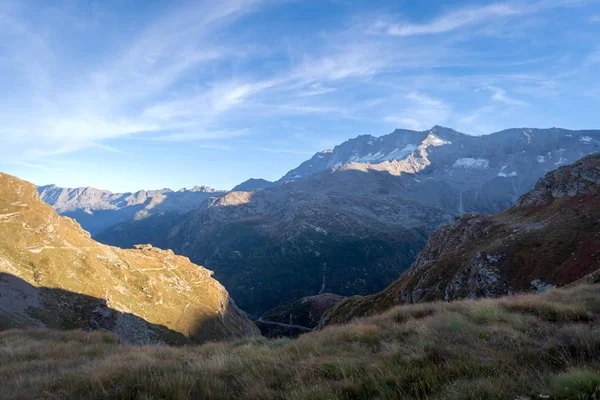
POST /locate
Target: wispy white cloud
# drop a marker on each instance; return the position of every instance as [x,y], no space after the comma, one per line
[477,121]
[280,150]
[500,95]
[112,149]
[291,109]
[465,17]
[451,21]
[216,146]
[109,100]
[201,136]
[317,89]
[30,165]
[420,112]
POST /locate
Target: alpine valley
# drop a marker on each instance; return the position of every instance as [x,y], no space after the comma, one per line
[348,221]
[257,200]
[458,341]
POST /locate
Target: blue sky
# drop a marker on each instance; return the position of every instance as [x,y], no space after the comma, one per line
[125,95]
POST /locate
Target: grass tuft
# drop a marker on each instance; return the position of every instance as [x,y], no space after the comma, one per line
[520,347]
[576,384]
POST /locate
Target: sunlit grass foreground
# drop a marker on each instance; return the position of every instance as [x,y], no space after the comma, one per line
[544,346]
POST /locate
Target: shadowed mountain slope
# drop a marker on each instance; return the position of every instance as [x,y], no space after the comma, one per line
[550,237]
[274,246]
[299,317]
[50,252]
[25,306]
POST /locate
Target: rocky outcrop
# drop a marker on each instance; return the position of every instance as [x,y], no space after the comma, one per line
[549,238]
[52,274]
[577,180]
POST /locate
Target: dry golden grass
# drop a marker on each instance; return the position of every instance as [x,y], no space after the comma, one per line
[545,346]
[176,297]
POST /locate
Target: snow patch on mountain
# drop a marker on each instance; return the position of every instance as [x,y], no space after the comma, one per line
[541,159]
[396,154]
[433,140]
[586,139]
[399,154]
[471,163]
[528,134]
[561,159]
[503,174]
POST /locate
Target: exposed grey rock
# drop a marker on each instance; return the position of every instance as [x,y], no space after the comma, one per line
[540,286]
[455,171]
[143,246]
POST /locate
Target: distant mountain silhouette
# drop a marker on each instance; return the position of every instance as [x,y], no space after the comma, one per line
[96,210]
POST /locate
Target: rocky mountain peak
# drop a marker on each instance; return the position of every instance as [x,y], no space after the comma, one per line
[252,184]
[579,179]
[498,150]
[205,189]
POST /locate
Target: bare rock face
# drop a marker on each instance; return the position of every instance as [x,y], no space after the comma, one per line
[579,179]
[549,238]
[455,171]
[52,274]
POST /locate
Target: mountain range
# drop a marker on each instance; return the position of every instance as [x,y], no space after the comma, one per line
[466,167]
[351,219]
[540,344]
[549,238]
[96,210]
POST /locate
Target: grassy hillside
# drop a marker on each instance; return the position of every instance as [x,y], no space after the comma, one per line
[525,347]
[53,275]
